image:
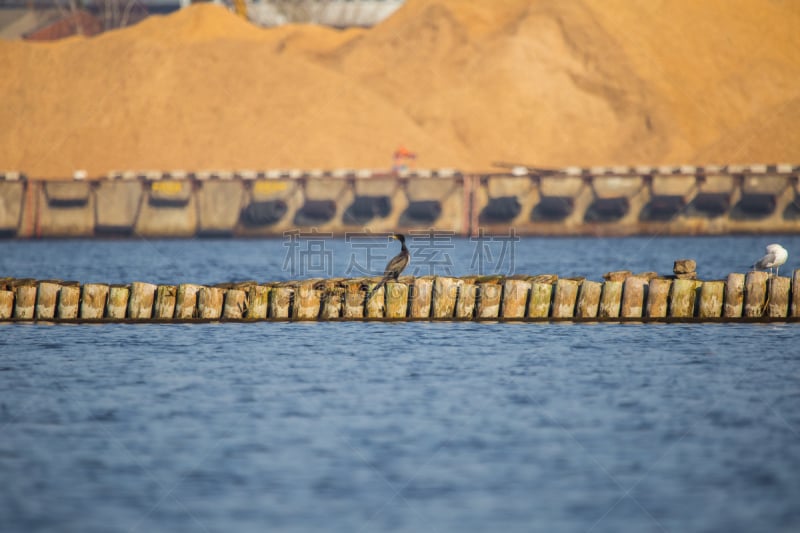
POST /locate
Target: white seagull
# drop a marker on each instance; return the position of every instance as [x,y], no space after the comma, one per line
[774,256]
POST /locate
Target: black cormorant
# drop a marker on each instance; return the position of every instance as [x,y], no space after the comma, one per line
[396,265]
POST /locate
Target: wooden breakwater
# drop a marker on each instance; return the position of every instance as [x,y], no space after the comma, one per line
[621,296]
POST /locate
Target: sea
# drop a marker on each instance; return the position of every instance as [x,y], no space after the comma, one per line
[406,427]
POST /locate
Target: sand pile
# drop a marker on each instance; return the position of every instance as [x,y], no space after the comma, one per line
[463,83]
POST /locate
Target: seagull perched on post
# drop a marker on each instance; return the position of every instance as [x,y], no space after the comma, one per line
[774,256]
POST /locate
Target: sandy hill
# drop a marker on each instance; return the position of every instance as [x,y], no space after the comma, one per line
[463,83]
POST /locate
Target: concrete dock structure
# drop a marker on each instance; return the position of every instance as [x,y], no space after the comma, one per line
[669,200]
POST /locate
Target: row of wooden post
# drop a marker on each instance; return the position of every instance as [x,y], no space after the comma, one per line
[621,295]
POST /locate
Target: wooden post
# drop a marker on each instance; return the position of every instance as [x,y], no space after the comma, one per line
[657,297]
[376,305]
[6,304]
[490,293]
[755,293]
[235,304]
[589,299]
[684,294]
[306,301]
[711,297]
[165,301]
[25,299]
[209,302]
[541,296]
[47,299]
[617,275]
[421,293]
[354,296]
[611,299]
[68,298]
[796,293]
[257,302]
[332,295]
[734,295]
[140,303]
[117,301]
[565,298]
[186,301]
[778,299]
[633,290]
[445,294]
[93,300]
[396,299]
[467,294]
[515,297]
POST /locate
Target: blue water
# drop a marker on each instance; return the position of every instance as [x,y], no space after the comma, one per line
[395,427]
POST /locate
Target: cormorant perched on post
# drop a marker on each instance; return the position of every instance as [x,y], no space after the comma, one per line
[397,264]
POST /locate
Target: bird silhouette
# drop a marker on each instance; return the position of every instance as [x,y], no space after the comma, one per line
[395,266]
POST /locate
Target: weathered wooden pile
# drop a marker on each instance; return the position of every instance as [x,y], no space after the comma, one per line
[622,296]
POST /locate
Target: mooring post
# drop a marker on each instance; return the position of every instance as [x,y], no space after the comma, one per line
[25,299]
[796,293]
[306,301]
[711,297]
[778,297]
[588,299]
[755,293]
[186,301]
[354,296]
[682,299]
[376,304]
[280,300]
[565,297]
[6,304]
[611,299]
[257,302]
[235,304]
[734,296]
[209,302]
[467,294]
[68,299]
[633,290]
[140,303]
[332,295]
[445,293]
[516,291]
[421,297]
[118,296]
[396,299]
[165,299]
[47,299]
[93,300]
[541,295]
[657,297]
[490,293]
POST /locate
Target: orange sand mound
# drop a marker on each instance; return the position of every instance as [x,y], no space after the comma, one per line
[463,83]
